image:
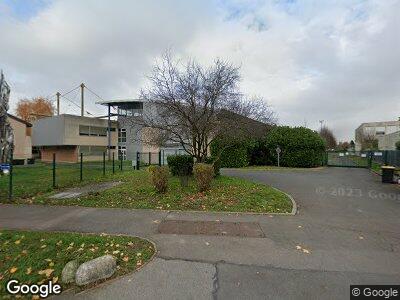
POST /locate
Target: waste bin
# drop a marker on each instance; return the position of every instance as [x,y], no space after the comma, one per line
[387,174]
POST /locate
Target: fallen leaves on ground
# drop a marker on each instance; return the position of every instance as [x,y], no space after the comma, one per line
[46,272]
[304,250]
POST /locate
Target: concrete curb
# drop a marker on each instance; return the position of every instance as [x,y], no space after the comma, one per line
[293,212]
[294,204]
[72,290]
[108,281]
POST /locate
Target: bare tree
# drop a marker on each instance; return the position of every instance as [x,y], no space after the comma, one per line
[191,105]
[343,146]
[329,138]
[368,142]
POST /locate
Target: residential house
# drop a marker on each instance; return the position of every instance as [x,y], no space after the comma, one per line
[22,139]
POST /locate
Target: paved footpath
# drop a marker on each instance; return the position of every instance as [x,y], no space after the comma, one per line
[347,232]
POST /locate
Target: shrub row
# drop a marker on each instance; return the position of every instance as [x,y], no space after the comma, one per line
[300,147]
[203,173]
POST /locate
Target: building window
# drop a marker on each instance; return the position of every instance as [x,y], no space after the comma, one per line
[121,135]
[122,152]
[84,130]
[98,131]
[92,130]
[380,130]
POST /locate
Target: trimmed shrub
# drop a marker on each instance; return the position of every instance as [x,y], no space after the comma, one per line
[258,153]
[398,145]
[180,165]
[203,173]
[159,178]
[300,147]
[215,163]
[233,155]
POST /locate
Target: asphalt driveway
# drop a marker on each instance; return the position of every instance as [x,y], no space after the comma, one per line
[347,231]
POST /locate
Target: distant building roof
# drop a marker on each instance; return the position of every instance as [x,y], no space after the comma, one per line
[382,123]
[118,101]
[19,120]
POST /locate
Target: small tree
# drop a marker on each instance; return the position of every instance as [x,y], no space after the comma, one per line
[368,142]
[343,146]
[36,108]
[329,138]
[191,105]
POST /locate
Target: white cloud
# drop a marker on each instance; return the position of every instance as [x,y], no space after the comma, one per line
[311,60]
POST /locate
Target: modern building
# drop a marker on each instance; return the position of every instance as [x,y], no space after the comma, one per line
[388,141]
[132,137]
[22,139]
[383,132]
[67,136]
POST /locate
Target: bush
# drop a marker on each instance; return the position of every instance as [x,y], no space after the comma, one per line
[215,163]
[203,174]
[258,153]
[233,155]
[300,147]
[398,145]
[159,178]
[180,165]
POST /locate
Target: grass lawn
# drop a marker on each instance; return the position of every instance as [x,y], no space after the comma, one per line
[276,168]
[36,257]
[31,180]
[226,194]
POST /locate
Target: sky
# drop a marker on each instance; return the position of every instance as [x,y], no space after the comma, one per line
[337,61]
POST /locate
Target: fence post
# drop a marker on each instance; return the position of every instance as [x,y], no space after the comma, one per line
[104,163]
[369,159]
[385,158]
[137,160]
[10,187]
[149,158]
[121,163]
[159,158]
[54,170]
[81,168]
[113,160]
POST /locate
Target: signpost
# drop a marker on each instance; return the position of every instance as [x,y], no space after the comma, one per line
[278,151]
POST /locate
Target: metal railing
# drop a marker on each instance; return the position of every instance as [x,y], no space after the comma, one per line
[25,181]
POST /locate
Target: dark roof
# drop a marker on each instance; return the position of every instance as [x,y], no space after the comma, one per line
[19,120]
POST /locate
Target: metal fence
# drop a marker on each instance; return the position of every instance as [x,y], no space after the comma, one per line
[25,181]
[363,159]
[155,158]
[387,157]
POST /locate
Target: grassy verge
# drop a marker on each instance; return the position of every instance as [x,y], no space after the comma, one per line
[32,180]
[276,168]
[226,194]
[37,257]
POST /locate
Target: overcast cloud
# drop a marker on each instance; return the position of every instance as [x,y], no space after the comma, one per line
[337,61]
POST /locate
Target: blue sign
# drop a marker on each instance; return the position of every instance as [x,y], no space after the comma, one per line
[5,167]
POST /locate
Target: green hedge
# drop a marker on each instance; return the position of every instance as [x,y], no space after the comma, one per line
[233,154]
[301,147]
[180,165]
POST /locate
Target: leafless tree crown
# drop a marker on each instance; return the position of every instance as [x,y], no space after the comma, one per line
[191,105]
